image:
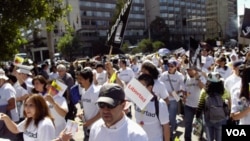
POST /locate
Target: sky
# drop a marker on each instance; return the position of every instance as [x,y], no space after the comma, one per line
[241,4]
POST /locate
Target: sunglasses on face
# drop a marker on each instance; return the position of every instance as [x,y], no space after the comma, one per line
[103,105]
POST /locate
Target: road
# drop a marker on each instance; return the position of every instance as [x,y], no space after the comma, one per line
[179,132]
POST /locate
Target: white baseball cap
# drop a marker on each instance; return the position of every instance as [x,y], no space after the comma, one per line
[2,75]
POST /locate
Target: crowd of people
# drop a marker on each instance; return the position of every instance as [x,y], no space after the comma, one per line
[31,108]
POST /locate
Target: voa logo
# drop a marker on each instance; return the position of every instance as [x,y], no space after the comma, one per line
[236,132]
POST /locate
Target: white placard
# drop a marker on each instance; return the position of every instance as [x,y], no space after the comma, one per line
[138,93]
[203,59]
[63,86]
[71,126]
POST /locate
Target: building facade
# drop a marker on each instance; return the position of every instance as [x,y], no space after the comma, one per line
[222,19]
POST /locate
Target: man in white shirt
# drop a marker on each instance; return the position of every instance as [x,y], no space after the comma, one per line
[100,75]
[114,125]
[174,83]
[193,82]
[154,118]
[125,73]
[88,100]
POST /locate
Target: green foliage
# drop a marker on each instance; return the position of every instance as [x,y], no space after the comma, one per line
[145,46]
[22,14]
[68,44]
[125,48]
[157,45]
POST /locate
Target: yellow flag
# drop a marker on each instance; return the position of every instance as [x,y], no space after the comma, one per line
[176,139]
[112,78]
[18,60]
[56,86]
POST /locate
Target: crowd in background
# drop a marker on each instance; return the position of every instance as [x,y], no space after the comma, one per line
[31,107]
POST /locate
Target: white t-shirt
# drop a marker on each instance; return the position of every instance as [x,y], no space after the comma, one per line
[177,80]
[89,99]
[224,73]
[7,92]
[59,121]
[126,75]
[29,84]
[231,81]
[44,132]
[135,68]
[209,61]
[159,89]
[151,123]
[193,90]
[20,91]
[101,77]
[123,130]
[53,75]
[236,108]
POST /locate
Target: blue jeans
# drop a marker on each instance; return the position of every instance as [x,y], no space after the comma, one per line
[214,130]
[172,109]
[189,113]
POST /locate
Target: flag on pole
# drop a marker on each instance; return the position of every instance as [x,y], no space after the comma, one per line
[245,28]
[115,35]
[194,53]
[18,60]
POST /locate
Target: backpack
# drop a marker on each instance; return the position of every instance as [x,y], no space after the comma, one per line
[215,108]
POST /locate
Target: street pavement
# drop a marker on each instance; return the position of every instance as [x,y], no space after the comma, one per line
[179,131]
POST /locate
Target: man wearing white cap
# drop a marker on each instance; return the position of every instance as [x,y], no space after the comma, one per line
[24,78]
[8,100]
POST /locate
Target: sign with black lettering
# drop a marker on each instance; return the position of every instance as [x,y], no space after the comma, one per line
[115,35]
[245,28]
[230,132]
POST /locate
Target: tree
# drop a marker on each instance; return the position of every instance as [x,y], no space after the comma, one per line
[145,46]
[20,15]
[159,30]
[157,45]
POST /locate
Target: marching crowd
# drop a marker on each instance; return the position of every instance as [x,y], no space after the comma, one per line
[32,110]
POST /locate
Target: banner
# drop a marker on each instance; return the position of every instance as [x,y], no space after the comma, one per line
[138,93]
[194,53]
[115,35]
[245,28]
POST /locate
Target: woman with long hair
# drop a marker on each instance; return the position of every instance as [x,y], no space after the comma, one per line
[240,109]
[38,123]
[214,87]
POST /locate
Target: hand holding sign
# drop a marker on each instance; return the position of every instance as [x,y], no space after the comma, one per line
[138,93]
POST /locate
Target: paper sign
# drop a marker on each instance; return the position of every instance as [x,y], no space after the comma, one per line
[71,126]
[176,97]
[62,86]
[203,59]
[138,93]
[18,60]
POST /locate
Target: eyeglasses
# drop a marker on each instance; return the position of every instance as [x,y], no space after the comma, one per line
[103,105]
[170,66]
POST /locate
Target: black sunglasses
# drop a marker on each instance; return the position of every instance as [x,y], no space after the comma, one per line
[103,105]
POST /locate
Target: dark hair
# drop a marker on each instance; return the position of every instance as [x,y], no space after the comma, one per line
[214,87]
[245,79]
[86,74]
[41,109]
[151,68]
[148,79]
[42,80]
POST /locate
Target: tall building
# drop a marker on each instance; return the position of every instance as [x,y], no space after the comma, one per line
[222,20]
[96,20]
[200,19]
